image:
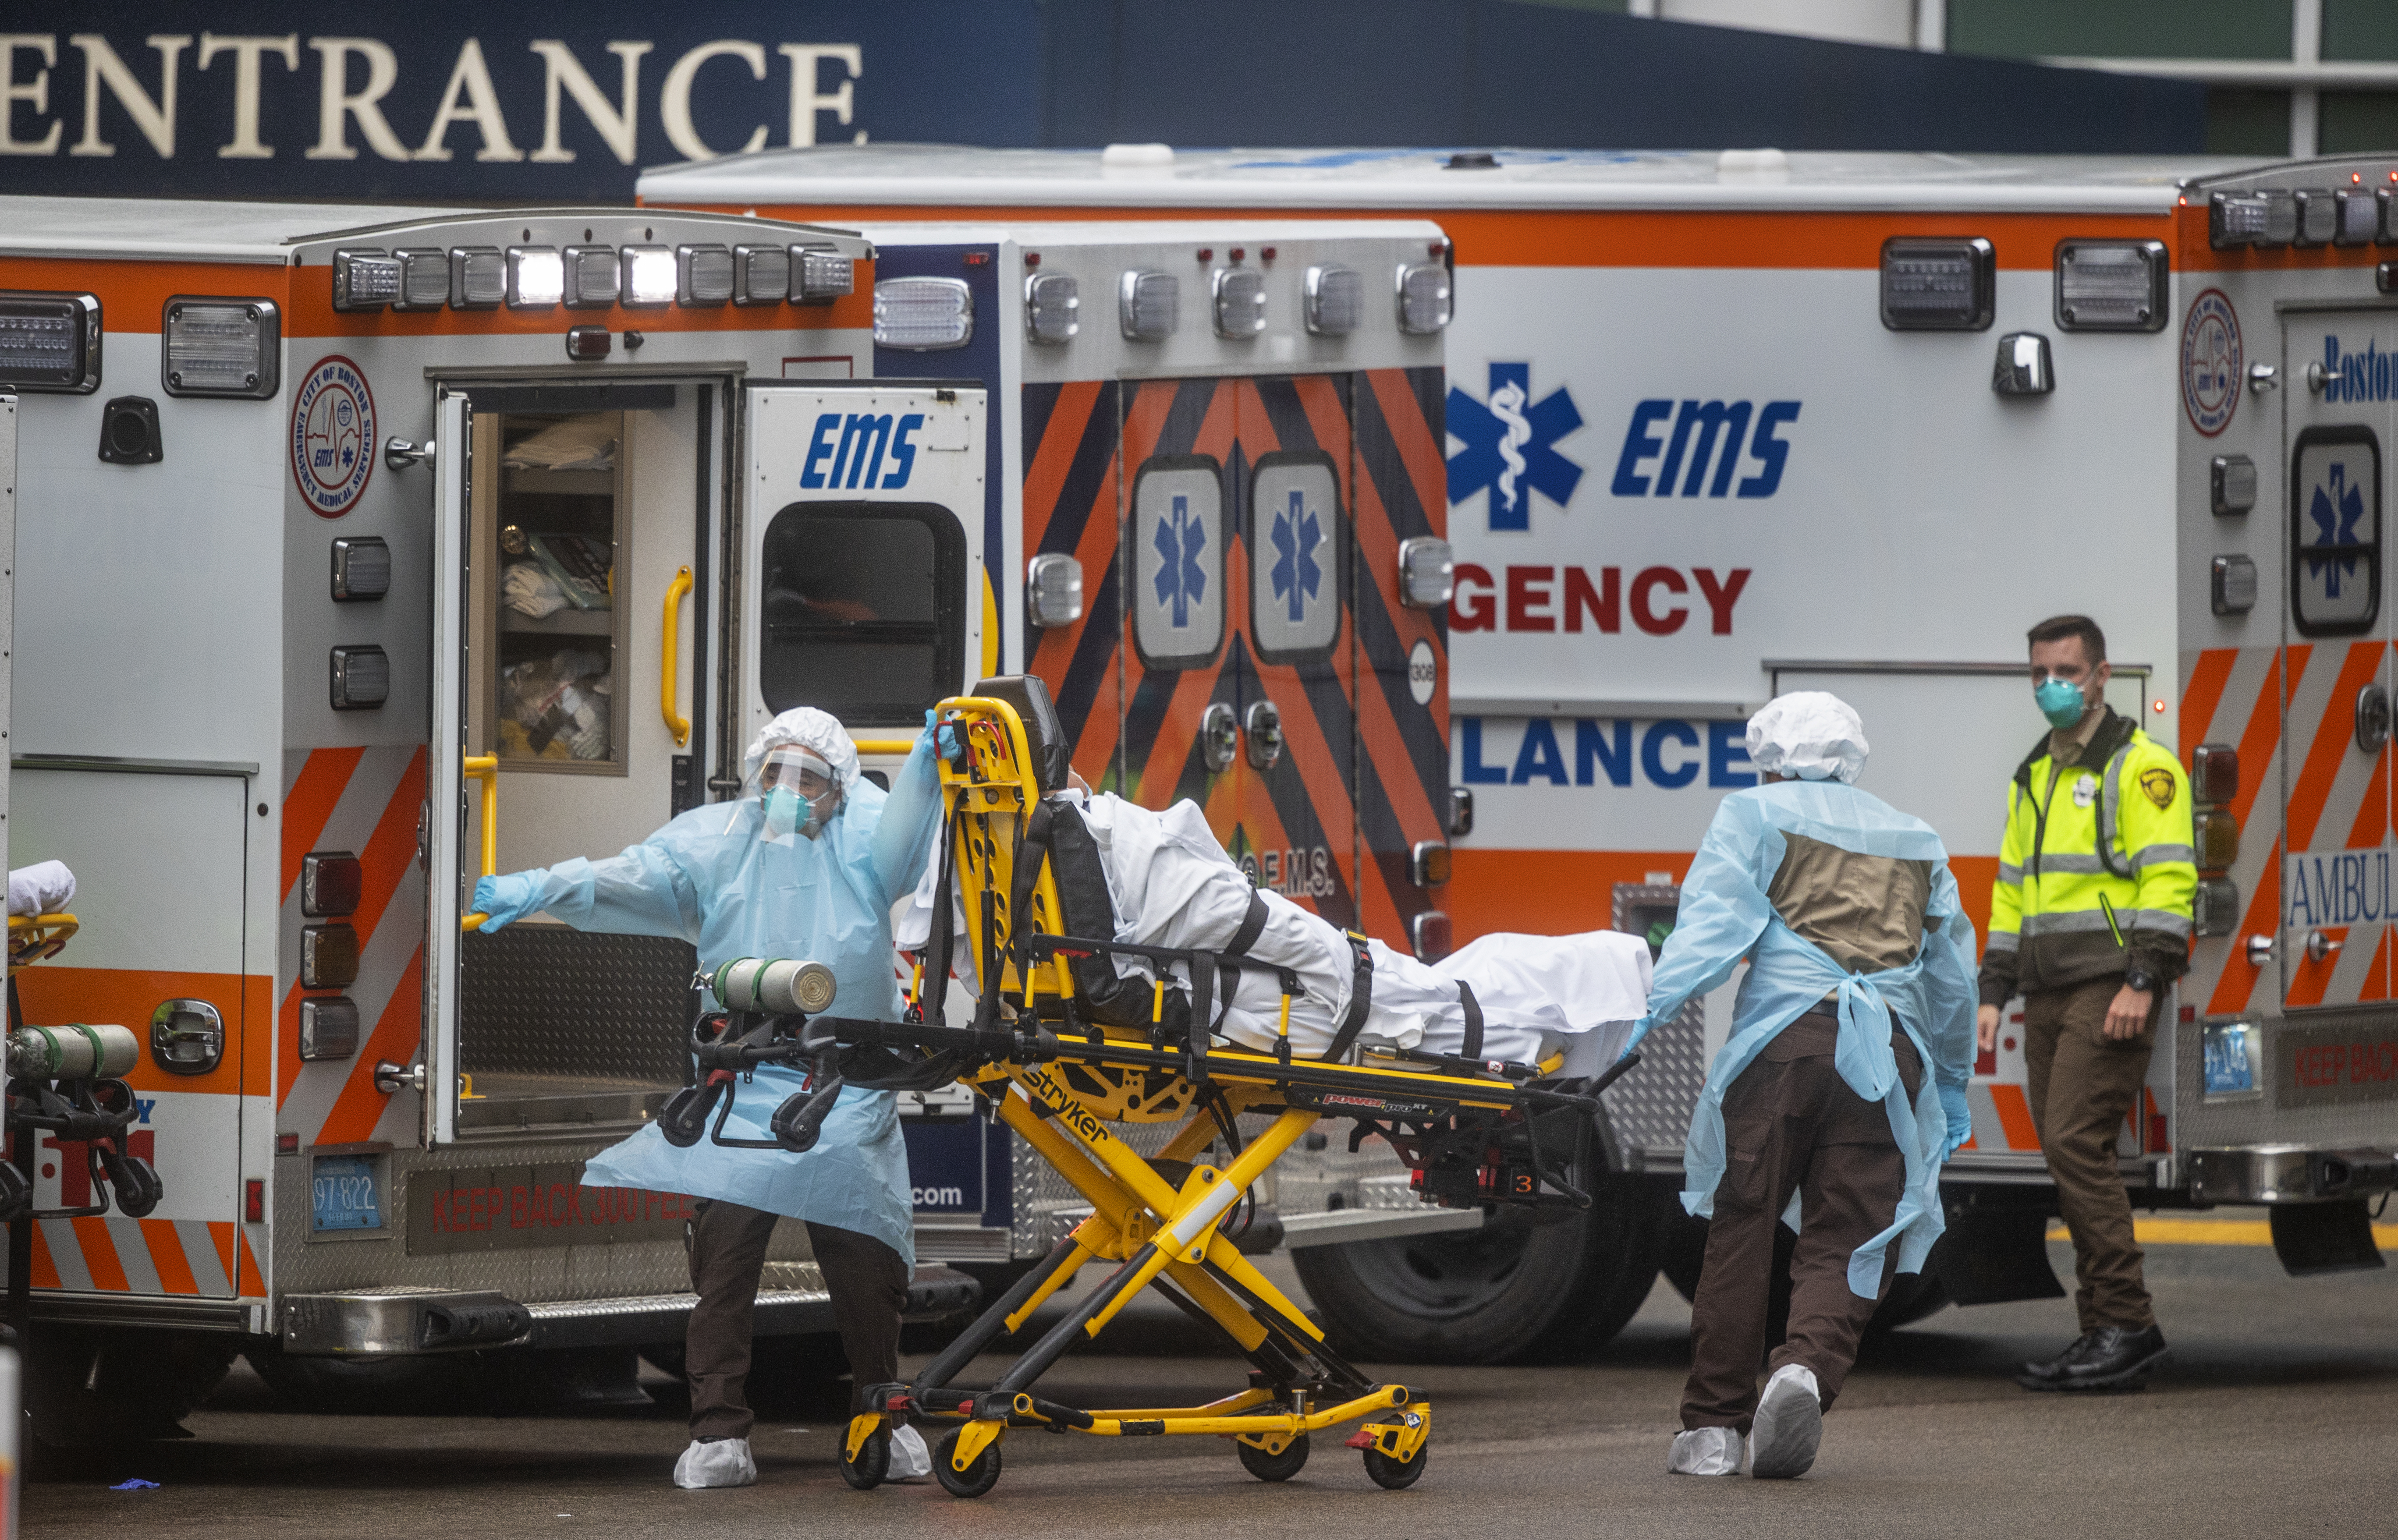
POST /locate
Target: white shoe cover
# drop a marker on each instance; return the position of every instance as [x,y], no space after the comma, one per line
[910,1461]
[725,1463]
[1789,1425]
[1706,1452]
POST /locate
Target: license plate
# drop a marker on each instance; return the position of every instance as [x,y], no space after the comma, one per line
[346,1194]
[2228,1067]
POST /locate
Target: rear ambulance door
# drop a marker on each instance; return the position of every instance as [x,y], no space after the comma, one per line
[2337,670]
[1239,658]
[861,540]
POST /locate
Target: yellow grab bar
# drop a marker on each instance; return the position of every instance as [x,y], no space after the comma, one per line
[678,724]
[486,768]
[901,746]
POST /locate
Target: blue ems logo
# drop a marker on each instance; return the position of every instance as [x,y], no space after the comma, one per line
[1705,435]
[1182,580]
[332,435]
[1510,446]
[1296,536]
[2334,507]
[857,456]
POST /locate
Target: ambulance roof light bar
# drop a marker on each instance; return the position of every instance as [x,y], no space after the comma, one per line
[922,315]
[821,274]
[1423,297]
[478,277]
[703,274]
[590,278]
[49,343]
[1336,299]
[761,274]
[536,277]
[2111,286]
[1148,304]
[1240,302]
[221,347]
[2265,219]
[423,278]
[365,278]
[1053,303]
[647,276]
[1938,285]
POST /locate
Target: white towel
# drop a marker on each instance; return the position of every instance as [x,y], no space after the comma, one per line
[44,887]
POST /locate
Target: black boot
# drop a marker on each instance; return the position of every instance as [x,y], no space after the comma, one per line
[2119,1359]
[2042,1374]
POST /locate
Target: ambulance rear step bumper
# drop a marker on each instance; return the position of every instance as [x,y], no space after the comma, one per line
[2289,1173]
[1339,1225]
[387,1324]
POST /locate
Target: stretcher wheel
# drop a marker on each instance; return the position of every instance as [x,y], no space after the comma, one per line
[873,1462]
[1395,1475]
[1274,1467]
[973,1481]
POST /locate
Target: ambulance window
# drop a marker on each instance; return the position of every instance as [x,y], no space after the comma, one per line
[863,610]
[1178,540]
[2335,531]
[1294,566]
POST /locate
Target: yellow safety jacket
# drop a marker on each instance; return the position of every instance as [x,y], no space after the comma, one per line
[2114,824]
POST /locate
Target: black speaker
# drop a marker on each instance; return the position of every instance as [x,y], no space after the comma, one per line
[128,431]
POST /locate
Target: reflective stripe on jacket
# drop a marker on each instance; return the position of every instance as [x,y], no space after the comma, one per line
[2115,825]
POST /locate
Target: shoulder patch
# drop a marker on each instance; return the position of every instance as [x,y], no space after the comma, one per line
[2159,785]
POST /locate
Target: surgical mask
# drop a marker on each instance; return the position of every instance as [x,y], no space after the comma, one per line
[2060,701]
[783,807]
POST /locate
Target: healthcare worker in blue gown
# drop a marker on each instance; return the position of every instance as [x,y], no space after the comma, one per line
[1840,1090]
[806,864]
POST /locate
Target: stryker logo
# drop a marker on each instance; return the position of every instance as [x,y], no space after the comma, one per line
[859,455]
[1699,428]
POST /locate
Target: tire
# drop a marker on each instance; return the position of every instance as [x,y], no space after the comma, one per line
[1274,1467]
[873,1460]
[89,1387]
[973,1481]
[1513,1291]
[1396,1474]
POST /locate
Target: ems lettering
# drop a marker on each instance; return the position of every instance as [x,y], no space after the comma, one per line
[1659,600]
[1667,755]
[359,92]
[851,451]
[1670,448]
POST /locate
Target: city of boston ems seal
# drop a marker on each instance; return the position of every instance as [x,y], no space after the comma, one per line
[332,435]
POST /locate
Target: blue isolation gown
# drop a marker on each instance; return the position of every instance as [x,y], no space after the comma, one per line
[709,878]
[1725,915]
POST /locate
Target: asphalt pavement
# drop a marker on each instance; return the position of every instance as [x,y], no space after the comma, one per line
[2279,1417]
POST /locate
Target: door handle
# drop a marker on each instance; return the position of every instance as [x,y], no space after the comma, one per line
[2321,945]
[1264,732]
[486,768]
[399,454]
[677,724]
[1219,737]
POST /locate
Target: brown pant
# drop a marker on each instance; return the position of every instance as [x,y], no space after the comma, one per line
[1791,1124]
[2082,1084]
[727,1245]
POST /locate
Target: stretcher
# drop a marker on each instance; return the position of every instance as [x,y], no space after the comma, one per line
[1054,1051]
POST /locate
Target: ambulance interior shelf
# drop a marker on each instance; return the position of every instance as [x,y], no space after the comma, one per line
[559,521]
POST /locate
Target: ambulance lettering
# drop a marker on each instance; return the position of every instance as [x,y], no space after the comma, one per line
[2351,375]
[1565,598]
[2345,888]
[1669,754]
[1683,454]
[857,445]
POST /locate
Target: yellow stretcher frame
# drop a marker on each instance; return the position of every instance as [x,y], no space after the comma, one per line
[1158,1231]
[38,938]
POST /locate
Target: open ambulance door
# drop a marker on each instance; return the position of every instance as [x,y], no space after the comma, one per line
[445,769]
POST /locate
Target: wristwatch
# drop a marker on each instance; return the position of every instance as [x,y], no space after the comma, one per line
[2139,980]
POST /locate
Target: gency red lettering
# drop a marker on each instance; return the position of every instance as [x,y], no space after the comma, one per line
[1474,607]
[1650,579]
[1721,594]
[1604,605]
[1527,598]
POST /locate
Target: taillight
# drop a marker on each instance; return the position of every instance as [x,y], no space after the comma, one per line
[2218,840]
[2215,773]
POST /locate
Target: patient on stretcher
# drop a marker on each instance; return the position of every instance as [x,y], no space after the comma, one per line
[1168,883]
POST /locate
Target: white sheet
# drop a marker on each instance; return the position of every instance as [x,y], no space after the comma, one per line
[1172,885]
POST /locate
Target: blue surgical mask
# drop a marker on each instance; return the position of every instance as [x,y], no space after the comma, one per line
[783,806]
[2060,701]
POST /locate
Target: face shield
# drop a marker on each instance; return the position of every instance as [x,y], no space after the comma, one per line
[798,790]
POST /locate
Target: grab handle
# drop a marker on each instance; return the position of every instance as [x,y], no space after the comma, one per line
[676,724]
[486,768]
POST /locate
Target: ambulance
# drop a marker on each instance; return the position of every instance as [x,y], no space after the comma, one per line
[1718,426]
[368,551]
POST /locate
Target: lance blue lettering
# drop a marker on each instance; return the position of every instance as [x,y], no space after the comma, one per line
[867,439]
[1604,751]
[2348,888]
[1703,434]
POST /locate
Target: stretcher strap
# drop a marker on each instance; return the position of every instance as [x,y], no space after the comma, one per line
[1361,998]
[1253,925]
[1473,1046]
[943,939]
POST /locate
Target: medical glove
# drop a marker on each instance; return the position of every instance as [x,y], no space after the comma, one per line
[2060,701]
[1639,1030]
[1960,1119]
[945,737]
[782,811]
[508,897]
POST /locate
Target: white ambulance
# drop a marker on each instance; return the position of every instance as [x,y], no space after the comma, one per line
[1719,426]
[370,550]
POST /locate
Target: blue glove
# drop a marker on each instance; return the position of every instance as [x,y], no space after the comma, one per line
[508,897]
[1960,1119]
[945,737]
[1639,1030]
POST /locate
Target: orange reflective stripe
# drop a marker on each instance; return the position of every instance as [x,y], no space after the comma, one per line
[2014,1117]
[2208,677]
[99,1255]
[166,1255]
[2330,745]
[308,806]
